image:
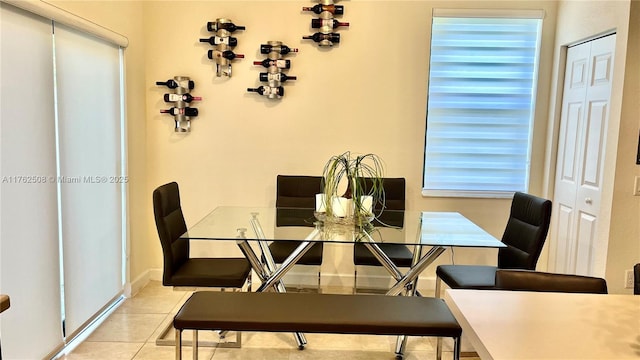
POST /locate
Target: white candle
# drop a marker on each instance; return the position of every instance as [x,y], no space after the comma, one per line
[321,203]
[366,204]
[341,206]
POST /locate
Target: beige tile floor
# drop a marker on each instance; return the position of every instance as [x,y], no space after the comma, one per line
[129,333]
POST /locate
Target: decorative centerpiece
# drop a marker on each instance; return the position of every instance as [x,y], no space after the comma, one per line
[361,177]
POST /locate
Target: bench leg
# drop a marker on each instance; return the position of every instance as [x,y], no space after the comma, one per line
[178,344]
[401,344]
[439,348]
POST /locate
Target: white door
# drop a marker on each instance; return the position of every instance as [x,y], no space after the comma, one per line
[581,145]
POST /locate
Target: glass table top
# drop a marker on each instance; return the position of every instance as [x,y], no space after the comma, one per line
[294,224]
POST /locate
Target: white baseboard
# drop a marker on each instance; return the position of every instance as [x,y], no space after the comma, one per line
[132,288]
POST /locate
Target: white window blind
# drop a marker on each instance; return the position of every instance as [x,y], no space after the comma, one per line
[29,260]
[90,162]
[481,98]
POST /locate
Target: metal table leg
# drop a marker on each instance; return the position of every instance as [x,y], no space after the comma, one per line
[270,275]
[401,341]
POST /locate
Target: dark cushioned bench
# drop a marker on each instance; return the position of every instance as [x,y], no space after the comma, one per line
[315,313]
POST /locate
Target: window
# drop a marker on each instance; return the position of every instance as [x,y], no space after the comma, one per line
[481,97]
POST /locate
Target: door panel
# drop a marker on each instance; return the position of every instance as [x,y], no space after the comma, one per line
[584,251]
[564,252]
[594,145]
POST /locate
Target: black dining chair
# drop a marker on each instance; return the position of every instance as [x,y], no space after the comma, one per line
[636,279]
[394,199]
[524,235]
[528,280]
[5,303]
[180,270]
[296,192]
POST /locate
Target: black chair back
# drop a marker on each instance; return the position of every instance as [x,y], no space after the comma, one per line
[297,191]
[636,279]
[526,280]
[394,193]
[525,233]
[170,225]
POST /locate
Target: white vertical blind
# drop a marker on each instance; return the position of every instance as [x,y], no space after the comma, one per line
[89,126]
[480,106]
[29,261]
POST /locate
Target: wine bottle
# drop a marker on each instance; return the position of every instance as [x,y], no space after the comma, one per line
[215,40]
[172,84]
[334,9]
[332,23]
[281,49]
[318,37]
[183,97]
[227,54]
[280,63]
[268,90]
[230,27]
[276,77]
[188,111]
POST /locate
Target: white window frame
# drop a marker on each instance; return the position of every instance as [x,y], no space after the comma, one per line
[441,191]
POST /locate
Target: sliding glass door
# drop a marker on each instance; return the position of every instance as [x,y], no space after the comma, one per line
[29,261]
[63,181]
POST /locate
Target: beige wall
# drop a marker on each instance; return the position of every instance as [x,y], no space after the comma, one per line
[366,95]
[624,236]
[618,228]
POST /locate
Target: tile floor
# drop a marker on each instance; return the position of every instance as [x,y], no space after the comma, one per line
[129,333]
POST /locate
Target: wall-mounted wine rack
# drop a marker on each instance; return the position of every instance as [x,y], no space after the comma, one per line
[181,99]
[326,24]
[275,64]
[223,42]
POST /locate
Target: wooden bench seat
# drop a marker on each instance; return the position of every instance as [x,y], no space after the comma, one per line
[315,313]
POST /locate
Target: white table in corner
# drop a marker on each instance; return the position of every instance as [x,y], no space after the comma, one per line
[518,325]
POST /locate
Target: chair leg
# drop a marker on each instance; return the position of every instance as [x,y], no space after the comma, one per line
[195,344]
[319,284]
[456,348]
[355,280]
[178,344]
[439,339]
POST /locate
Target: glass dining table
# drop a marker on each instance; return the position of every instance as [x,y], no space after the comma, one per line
[428,233]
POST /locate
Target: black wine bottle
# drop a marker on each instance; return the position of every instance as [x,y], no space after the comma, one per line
[188,111]
[227,54]
[172,84]
[268,90]
[215,40]
[332,23]
[276,77]
[280,63]
[183,97]
[281,49]
[230,27]
[318,37]
[334,9]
